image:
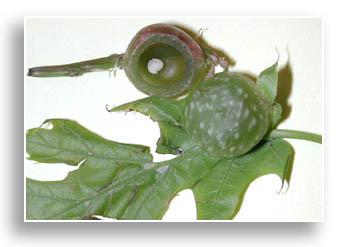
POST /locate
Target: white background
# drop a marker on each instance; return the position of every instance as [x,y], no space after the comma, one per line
[251,42]
[16,233]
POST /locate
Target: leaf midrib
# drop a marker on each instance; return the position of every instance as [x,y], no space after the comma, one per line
[86,155]
[109,188]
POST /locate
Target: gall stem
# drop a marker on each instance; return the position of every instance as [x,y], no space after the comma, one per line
[75,69]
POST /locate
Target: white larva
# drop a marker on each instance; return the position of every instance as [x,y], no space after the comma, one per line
[155,65]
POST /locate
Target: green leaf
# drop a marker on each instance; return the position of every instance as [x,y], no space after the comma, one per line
[267,82]
[61,140]
[121,181]
[68,200]
[159,109]
[220,194]
[178,174]
[104,164]
[173,140]
[276,114]
[114,180]
[168,113]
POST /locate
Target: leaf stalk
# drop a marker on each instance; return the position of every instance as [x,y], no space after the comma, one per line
[294,134]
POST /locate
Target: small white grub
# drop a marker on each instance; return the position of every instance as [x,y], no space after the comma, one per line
[240,91]
[236,135]
[232,149]
[202,125]
[155,65]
